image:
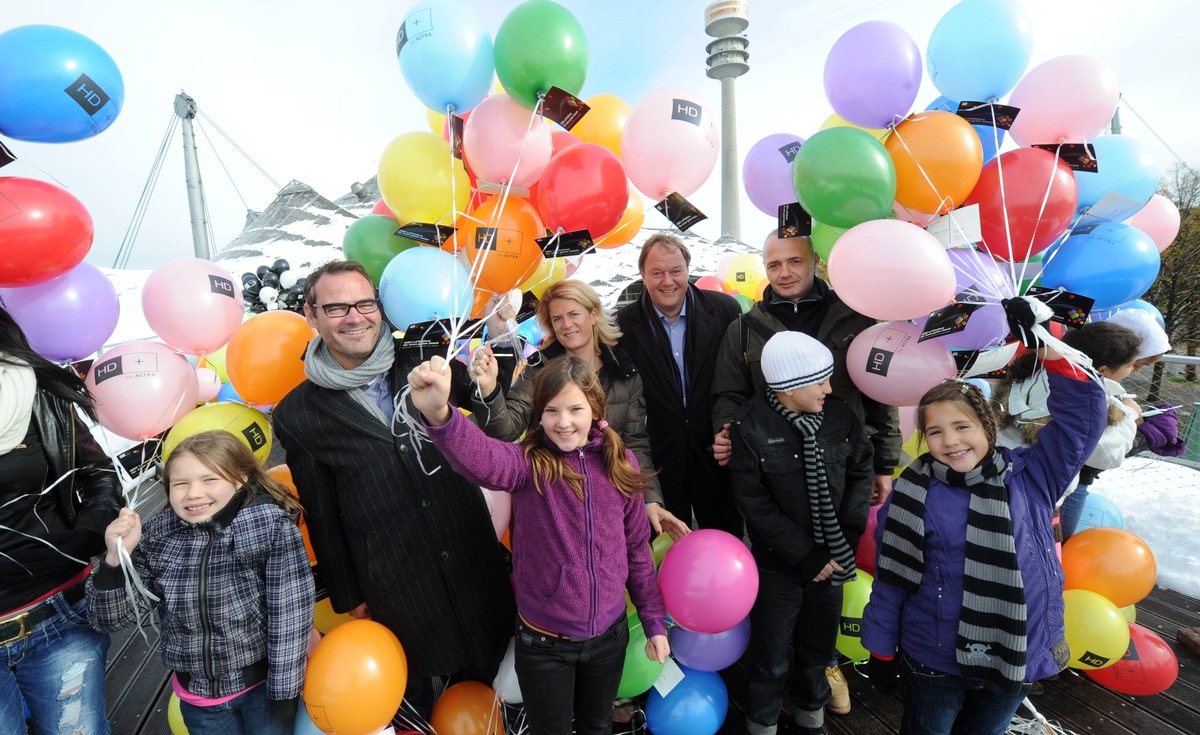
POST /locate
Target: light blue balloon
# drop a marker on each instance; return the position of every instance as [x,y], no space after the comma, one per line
[1100,512]
[56,85]
[1109,262]
[991,138]
[446,55]
[1125,165]
[1146,306]
[425,283]
[979,49]
[227,394]
[531,330]
[304,724]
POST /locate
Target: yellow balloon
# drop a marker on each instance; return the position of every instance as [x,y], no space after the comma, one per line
[549,271]
[325,619]
[175,716]
[1129,612]
[1097,632]
[628,227]
[837,121]
[604,122]
[436,120]
[420,179]
[249,425]
[746,271]
[215,361]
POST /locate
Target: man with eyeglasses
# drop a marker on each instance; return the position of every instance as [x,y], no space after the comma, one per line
[399,537]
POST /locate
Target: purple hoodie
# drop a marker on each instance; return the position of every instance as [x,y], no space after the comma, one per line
[572,558]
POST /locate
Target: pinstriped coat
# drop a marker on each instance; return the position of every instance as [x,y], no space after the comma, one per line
[418,549]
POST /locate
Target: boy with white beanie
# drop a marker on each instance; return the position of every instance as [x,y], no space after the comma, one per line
[802,476]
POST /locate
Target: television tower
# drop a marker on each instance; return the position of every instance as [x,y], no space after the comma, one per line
[726,21]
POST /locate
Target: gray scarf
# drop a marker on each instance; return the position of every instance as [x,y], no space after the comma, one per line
[321,368]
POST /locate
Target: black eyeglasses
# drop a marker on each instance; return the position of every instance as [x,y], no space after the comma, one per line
[336,311]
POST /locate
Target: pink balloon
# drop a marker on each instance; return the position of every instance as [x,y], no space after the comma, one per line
[887,269]
[908,422]
[1066,99]
[864,558]
[499,134]
[1159,219]
[142,388]
[904,214]
[888,364]
[193,305]
[208,384]
[709,581]
[500,507]
[670,143]
[66,318]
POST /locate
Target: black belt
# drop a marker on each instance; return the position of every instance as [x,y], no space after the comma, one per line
[251,675]
[21,625]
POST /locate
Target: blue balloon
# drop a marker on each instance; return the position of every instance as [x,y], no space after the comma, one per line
[1109,262]
[425,283]
[696,706]
[304,724]
[1099,511]
[991,138]
[1146,306]
[979,49]
[531,330]
[1124,165]
[446,55]
[56,85]
[227,394]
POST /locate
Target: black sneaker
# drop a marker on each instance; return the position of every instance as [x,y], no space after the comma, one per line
[812,730]
[1037,690]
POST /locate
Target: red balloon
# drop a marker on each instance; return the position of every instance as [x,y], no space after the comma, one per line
[1149,666]
[44,231]
[864,558]
[1026,174]
[711,283]
[583,188]
[381,207]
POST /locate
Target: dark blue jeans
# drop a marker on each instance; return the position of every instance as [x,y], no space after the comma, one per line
[940,704]
[59,672]
[247,714]
[1072,511]
[559,676]
[807,614]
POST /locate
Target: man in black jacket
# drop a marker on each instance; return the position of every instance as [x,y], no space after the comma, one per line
[672,332]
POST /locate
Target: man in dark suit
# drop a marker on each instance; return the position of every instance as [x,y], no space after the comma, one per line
[672,332]
[399,537]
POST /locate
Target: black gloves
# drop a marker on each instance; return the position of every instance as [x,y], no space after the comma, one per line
[884,673]
[285,709]
[1021,320]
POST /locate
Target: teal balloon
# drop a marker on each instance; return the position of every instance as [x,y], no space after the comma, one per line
[843,177]
[979,49]
[373,242]
[540,45]
[445,54]
[638,673]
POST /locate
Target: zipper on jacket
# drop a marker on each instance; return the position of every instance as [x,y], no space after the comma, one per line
[207,633]
[587,506]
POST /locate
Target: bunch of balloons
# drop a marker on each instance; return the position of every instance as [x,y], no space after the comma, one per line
[273,287]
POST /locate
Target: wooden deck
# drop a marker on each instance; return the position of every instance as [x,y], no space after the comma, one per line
[137,685]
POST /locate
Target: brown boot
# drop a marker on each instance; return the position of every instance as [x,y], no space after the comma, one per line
[839,700]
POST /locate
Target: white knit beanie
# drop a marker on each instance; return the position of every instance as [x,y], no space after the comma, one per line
[1142,323]
[794,360]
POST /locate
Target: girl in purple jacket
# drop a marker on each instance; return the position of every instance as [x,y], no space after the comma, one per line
[967,605]
[579,538]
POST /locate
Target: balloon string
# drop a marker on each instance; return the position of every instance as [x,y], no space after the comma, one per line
[134,588]
[1012,268]
[1041,209]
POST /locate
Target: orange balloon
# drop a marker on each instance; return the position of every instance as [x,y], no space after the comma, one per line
[509,252]
[265,356]
[1111,562]
[283,475]
[467,708]
[355,679]
[938,160]
[604,123]
[629,226]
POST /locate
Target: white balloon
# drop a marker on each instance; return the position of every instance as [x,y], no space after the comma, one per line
[287,279]
[268,295]
[506,686]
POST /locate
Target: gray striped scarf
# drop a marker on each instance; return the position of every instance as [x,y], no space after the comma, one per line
[991,643]
[827,531]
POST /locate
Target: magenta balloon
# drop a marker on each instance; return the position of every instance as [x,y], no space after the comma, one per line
[873,73]
[767,172]
[709,651]
[66,318]
[888,364]
[670,143]
[142,388]
[889,269]
[506,143]
[709,581]
[1066,99]
[193,305]
[1159,219]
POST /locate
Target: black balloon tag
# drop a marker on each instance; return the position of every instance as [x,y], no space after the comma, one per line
[982,113]
[794,221]
[950,319]
[563,107]
[427,233]
[6,155]
[1079,156]
[1069,308]
[566,244]
[682,213]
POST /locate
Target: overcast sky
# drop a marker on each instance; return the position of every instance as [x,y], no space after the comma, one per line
[312,90]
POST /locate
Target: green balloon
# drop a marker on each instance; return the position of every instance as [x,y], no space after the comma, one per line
[639,672]
[661,545]
[540,45]
[844,177]
[824,237]
[372,241]
[744,301]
